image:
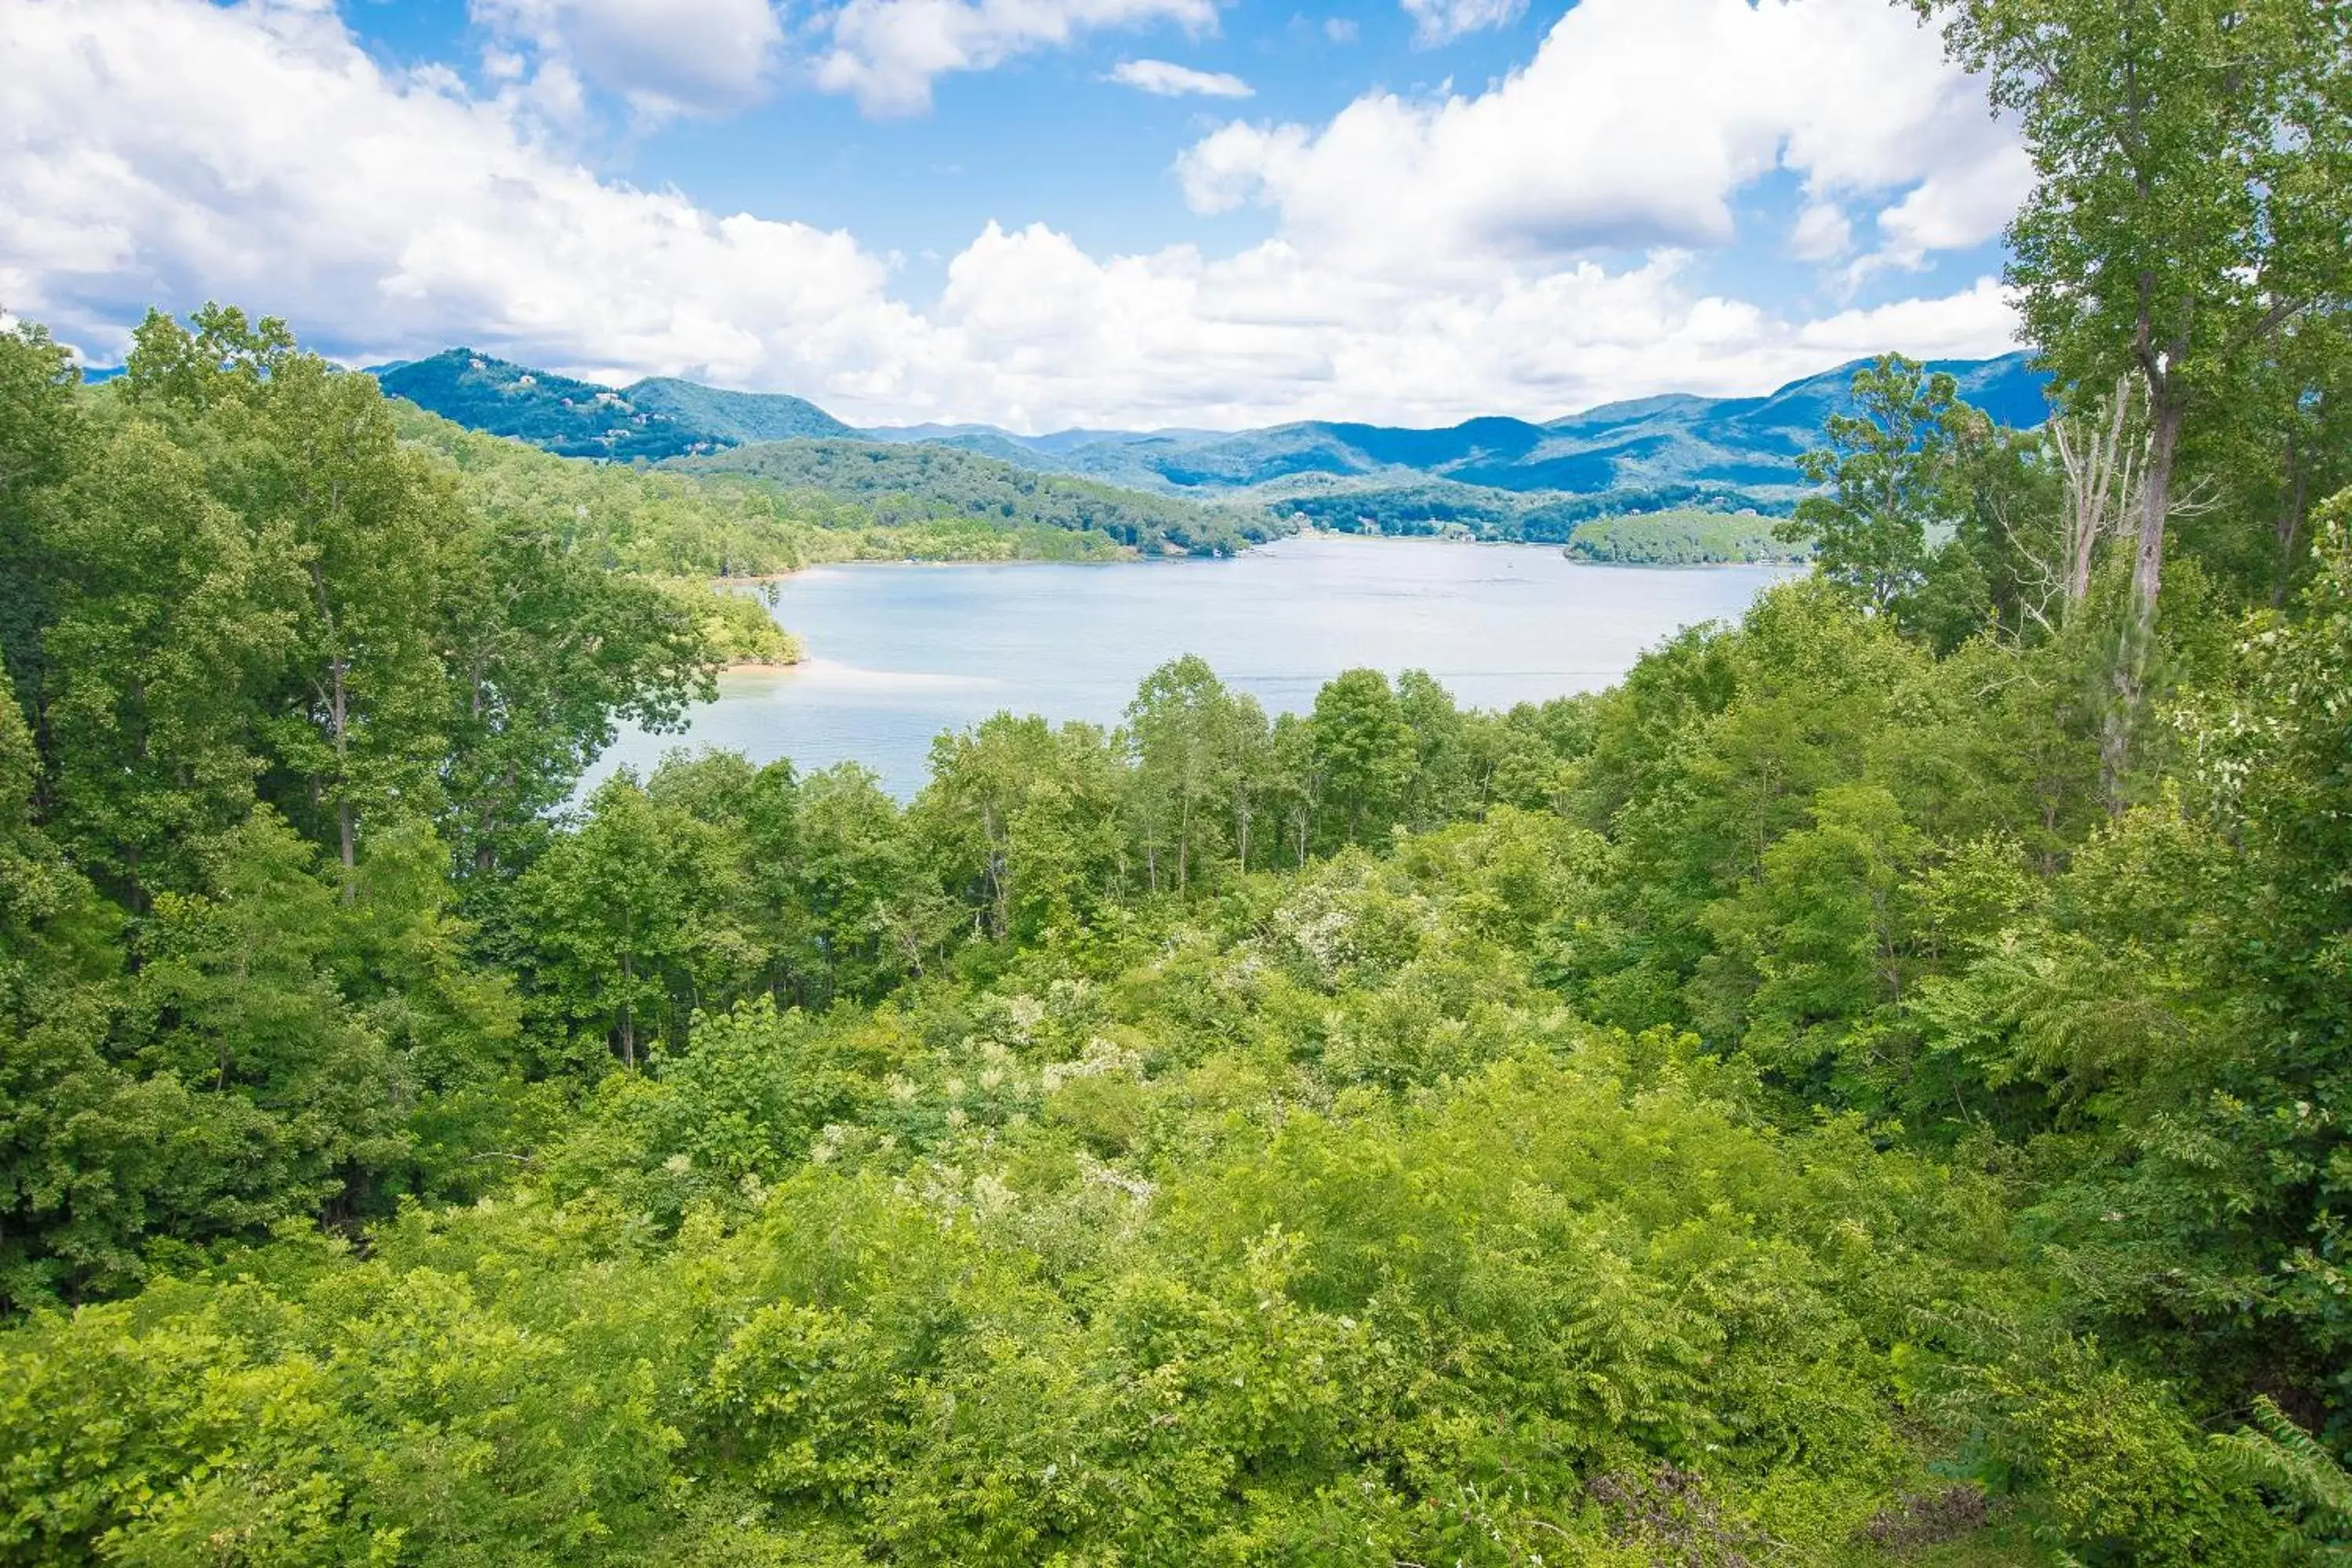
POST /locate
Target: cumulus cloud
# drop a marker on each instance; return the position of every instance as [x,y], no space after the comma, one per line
[693,56]
[389,214]
[1960,206]
[888,52]
[1441,21]
[1170,80]
[1822,231]
[1635,124]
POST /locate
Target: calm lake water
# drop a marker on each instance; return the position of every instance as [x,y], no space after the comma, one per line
[899,653]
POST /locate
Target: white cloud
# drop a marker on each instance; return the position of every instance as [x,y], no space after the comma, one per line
[1340,29]
[1979,323]
[387,213]
[1441,21]
[1958,207]
[390,214]
[692,57]
[1822,231]
[888,52]
[1635,124]
[1170,80]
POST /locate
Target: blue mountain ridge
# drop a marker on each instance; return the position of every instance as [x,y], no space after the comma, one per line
[1672,449]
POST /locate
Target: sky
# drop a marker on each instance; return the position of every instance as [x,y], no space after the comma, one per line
[1040,214]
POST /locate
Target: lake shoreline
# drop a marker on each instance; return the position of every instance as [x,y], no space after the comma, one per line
[1320,535]
[894,658]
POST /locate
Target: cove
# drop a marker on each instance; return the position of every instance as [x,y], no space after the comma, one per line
[900,652]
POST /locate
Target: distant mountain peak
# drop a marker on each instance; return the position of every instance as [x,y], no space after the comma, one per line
[1733,452]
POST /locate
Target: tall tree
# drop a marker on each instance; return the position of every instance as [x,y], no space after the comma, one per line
[358,525]
[347,532]
[1021,820]
[41,440]
[1183,730]
[545,651]
[620,911]
[1442,786]
[156,640]
[1888,473]
[2193,164]
[1364,752]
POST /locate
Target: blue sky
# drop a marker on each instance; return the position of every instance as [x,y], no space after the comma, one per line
[1417,210]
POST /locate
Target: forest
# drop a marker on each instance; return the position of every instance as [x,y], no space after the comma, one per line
[1678,524]
[934,486]
[1680,538]
[688,529]
[1872,1087]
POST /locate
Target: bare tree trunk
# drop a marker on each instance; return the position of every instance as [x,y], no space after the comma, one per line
[2148,582]
[999,891]
[339,729]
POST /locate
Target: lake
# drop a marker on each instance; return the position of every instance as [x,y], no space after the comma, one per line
[900,652]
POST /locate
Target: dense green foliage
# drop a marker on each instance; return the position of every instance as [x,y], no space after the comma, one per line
[1681,539]
[1676,525]
[1782,1106]
[685,528]
[910,484]
[780,502]
[1872,1088]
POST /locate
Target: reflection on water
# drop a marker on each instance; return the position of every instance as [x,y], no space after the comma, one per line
[902,652]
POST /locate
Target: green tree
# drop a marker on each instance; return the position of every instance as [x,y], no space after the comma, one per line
[1823,939]
[159,636]
[2190,199]
[1186,736]
[1294,785]
[41,432]
[622,910]
[221,355]
[346,533]
[1364,752]
[875,911]
[352,528]
[1021,821]
[546,651]
[1888,470]
[1444,783]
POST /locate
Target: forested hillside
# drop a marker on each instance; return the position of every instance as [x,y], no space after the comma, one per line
[780,500]
[1723,453]
[694,527]
[652,419]
[1738,451]
[1500,480]
[922,483]
[1684,539]
[1871,1089]
[1684,513]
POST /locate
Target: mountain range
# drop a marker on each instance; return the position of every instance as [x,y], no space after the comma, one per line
[1677,450]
